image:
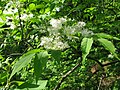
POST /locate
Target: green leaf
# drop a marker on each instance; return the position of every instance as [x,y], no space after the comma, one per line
[86,45]
[32,6]
[23,0]
[42,85]
[47,10]
[40,63]
[23,61]
[56,55]
[108,46]
[0,11]
[32,86]
[42,5]
[3,77]
[106,36]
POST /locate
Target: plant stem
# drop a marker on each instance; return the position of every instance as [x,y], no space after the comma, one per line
[65,76]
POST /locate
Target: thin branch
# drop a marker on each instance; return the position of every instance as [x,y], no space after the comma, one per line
[100,83]
[65,76]
[114,62]
[96,61]
[19,14]
[102,65]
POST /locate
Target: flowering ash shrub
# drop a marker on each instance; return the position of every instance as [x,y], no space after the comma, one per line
[55,41]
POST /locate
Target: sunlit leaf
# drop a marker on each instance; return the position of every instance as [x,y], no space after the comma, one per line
[85,47]
[106,36]
[109,46]
[32,6]
[23,61]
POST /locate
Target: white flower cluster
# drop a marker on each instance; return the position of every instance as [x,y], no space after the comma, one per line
[57,23]
[9,22]
[25,16]
[53,43]
[9,9]
[86,33]
[70,31]
[81,24]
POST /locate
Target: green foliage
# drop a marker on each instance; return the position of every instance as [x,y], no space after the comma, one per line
[40,61]
[107,36]
[109,46]
[59,44]
[23,61]
[86,45]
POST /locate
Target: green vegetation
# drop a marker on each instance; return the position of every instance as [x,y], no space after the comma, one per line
[59,44]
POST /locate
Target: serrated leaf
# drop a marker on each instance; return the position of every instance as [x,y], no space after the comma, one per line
[86,45]
[108,46]
[106,36]
[40,63]
[23,61]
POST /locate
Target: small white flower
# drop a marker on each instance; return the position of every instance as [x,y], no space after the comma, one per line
[110,56]
[9,11]
[45,40]
[81,24]
[24,17]
[30,15]
[63,20]
[58,9]
[15,10]
[56,23]
[8,4]
[1,20]
[85,32]
[12,26]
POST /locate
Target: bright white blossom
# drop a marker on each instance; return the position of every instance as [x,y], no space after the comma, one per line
[9,22]
[8,4]
[15,10]
[57,23]
[53,43]
[30,15]
[54,40]
[12,26]
[86,32]
[8,11]
[58,9]
[110,56]
[24,16]
[1,20]
[81,24]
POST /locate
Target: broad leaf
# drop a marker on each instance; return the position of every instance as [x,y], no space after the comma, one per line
[56,55]
[32,86]
[85,47]
[39,63]
[106,36]
[23,61]
[109,46]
